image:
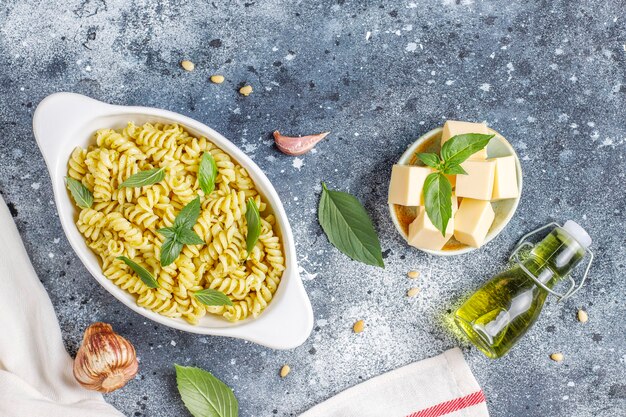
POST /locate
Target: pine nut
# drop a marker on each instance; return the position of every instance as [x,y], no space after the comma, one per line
[358,326]
[246,90]
[187,65]
[413,274]
[413,292]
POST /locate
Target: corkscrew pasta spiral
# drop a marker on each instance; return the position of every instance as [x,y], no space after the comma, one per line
[124,222]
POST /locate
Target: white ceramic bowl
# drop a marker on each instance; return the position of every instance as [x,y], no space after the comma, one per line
[63,121]
[504,209]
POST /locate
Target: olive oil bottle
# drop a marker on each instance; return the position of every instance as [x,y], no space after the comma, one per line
[496,316]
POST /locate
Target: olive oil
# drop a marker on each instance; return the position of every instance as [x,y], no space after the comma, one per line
[496,316]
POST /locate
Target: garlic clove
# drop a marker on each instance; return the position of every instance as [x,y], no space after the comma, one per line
[105,360]
[297,145]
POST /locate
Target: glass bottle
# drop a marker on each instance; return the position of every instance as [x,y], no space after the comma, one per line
[496,316]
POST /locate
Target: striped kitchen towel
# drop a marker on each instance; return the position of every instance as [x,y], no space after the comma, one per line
[439,386]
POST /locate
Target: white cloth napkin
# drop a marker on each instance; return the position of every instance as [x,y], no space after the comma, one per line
[439,386]
[36,377]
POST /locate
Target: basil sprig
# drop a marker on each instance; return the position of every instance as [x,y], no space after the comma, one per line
[142,178]
[438,200]
[253,219]
[142,272]
[181,233]
[189,237]
[460,147]
[211,297]
[207,173]
[188,215]
[81,195]
[170,250]
[437,187]
[348,227]
[204,395]
[430,159]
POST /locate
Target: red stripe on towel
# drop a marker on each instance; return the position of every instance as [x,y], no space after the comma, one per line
[451,406]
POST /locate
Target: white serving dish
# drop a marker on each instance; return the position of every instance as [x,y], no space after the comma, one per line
[504,209]
[63,121]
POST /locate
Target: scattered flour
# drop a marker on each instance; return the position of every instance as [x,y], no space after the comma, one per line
[298,163]
[510,69]
[306,275]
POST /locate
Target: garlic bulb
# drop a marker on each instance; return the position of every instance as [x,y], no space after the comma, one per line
[105,360]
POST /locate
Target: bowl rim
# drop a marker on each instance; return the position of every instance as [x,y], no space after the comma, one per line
[57,123]
[493,232]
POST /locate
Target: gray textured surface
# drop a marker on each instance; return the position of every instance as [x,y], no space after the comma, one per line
[549,75]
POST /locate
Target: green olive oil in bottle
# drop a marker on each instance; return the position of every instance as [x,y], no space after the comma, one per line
[496,316]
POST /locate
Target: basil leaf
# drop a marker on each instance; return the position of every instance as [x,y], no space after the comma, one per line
[188,237]
[438,200]
[167,232]
[207,173]
[429,159]
[348,227]
[460,147]
[189,214]
[204,395]
[212,297]
[81,195]
[149,177]
[170,250]
[143,273]
[253,219]
[454,169]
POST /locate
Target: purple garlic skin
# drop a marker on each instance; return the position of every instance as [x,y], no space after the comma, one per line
[297,145]
[105,361]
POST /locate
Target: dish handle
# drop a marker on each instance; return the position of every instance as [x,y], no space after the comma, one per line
[58,116]
[286,324]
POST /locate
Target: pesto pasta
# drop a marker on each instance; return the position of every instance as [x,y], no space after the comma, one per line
[124,222]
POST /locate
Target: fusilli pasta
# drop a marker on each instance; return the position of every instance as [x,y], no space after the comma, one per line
[124,222]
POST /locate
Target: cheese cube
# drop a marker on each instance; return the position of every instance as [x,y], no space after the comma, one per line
[424,235]
[505,182]
[455,204]
[472,221]
[478,183]
[407,182]
[452,128]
